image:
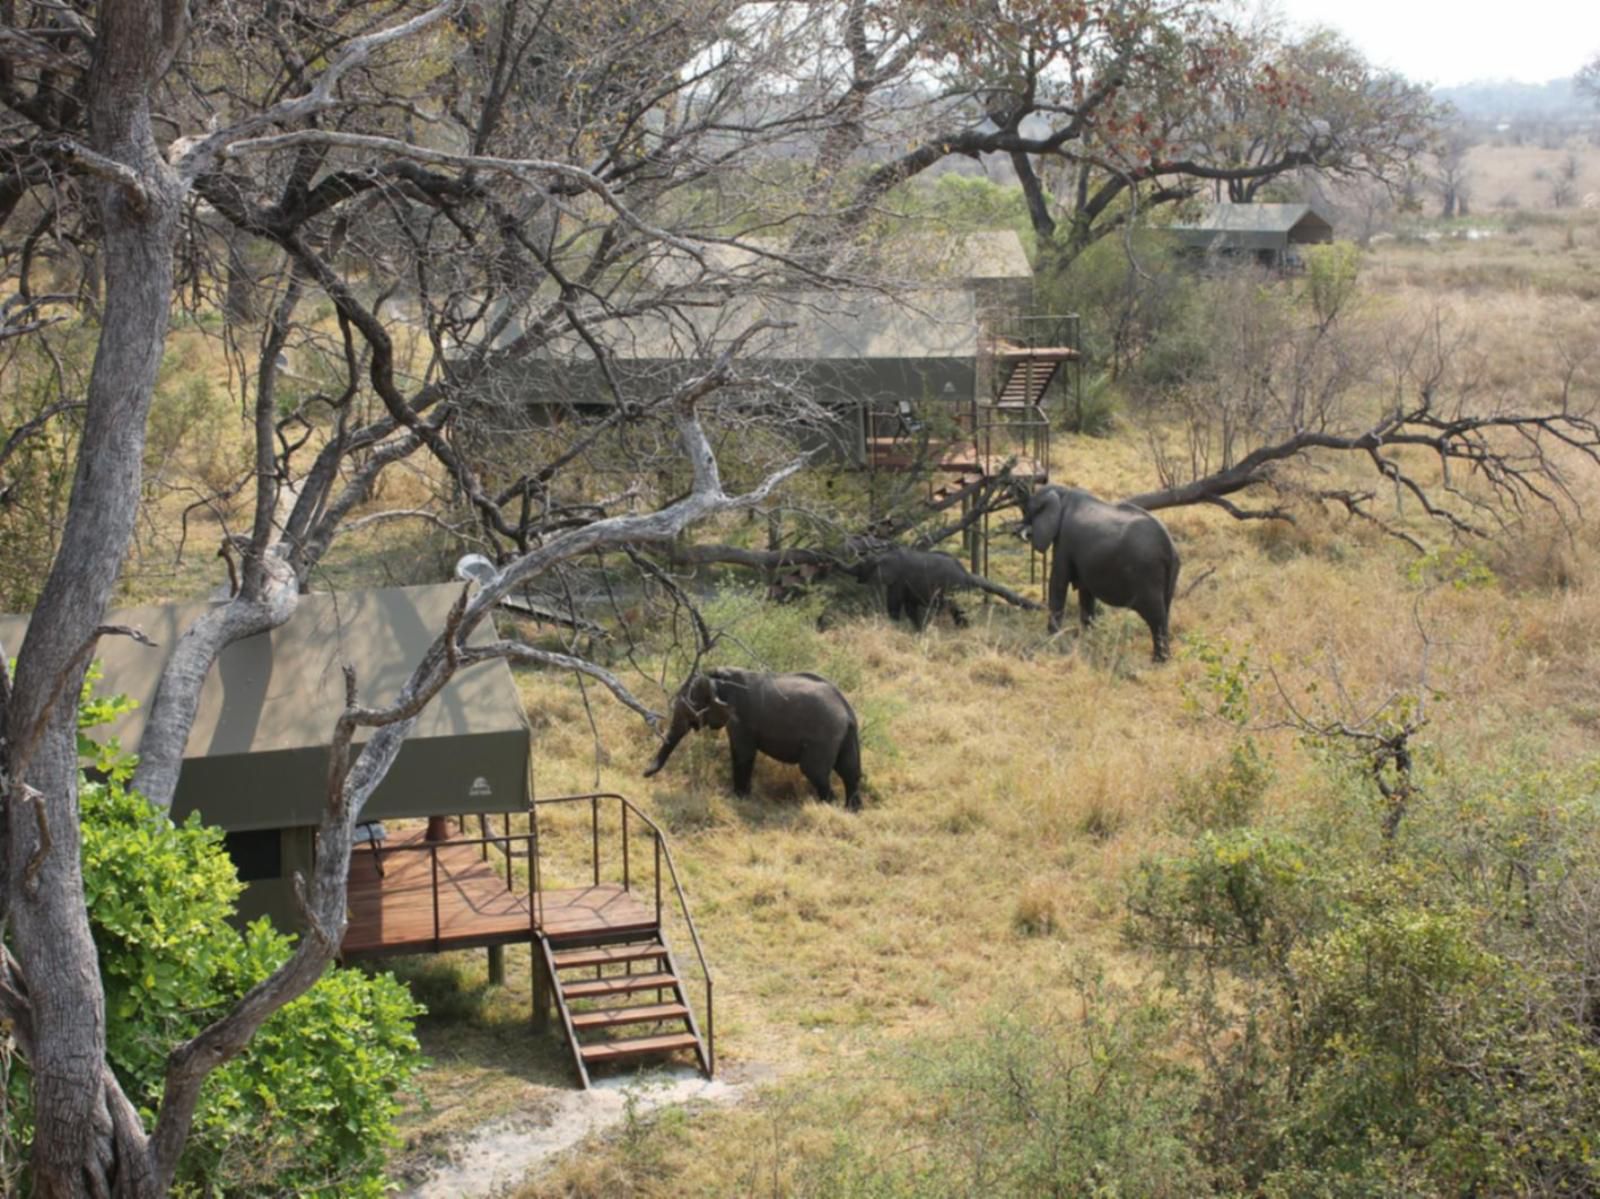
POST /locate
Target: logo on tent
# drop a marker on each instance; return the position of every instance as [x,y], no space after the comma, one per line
[480,787]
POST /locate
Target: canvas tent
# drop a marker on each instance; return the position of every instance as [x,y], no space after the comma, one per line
[848,350]
[257,759]
[1266,232]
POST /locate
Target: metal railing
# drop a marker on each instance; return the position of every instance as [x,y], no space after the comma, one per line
[628,812]
[1054,331]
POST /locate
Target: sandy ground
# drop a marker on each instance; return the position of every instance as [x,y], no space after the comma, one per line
[501,1154]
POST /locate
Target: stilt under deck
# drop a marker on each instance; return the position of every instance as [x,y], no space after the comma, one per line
[412,895]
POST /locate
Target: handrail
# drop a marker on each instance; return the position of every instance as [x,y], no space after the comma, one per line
[627,806]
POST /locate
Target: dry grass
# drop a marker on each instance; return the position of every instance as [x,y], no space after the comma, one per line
[1014,779]
[1506,176]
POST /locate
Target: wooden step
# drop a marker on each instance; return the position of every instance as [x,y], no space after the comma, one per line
[604,955]
[611,1017]
[611,1051]
[622,984]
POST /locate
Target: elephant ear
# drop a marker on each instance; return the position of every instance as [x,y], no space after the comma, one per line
[1043,519]
[717,703]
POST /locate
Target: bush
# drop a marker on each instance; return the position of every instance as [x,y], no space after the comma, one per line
[1398,1016]
[759,635]
[1228,792]
[308,1107]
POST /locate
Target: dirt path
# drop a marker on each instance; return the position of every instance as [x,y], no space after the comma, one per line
[496,1157]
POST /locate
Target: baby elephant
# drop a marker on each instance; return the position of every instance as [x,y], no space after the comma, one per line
[797,718]
[920,582]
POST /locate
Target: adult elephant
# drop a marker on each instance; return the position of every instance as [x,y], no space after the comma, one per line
[917,583]
[1112,553]
[801,719]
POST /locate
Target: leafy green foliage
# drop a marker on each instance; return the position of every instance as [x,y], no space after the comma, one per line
[1403,1022]
[1136,305]
[1459,567]
[1227,793]
[1332,278]
[757,635]
[308,1107]
[1227,687]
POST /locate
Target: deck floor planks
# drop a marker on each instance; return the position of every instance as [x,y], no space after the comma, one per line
[393,913]
[882,453]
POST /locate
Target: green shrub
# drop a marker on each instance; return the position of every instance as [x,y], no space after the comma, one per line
[1228,792]
[1406,1016]
[1240,898]
[308,1107]
[757,634]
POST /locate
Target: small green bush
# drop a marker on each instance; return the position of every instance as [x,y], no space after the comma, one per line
[1227,793]
[308,1107]
[757,634]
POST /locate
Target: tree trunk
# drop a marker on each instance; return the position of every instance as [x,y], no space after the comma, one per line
[86,1139]
[239,298]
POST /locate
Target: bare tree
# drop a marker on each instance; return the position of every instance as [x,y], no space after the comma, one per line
[1284,390]
[1451,177]
[471,188]
[1124,106]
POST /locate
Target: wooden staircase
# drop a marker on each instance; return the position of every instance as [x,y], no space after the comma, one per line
[597,991]
[1027,372]
[602,958]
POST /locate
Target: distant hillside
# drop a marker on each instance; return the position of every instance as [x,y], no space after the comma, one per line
[1507,99]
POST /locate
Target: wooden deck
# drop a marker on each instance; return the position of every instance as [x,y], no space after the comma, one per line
[958,457]
[397,912]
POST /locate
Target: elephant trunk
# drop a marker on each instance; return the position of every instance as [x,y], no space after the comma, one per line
[682,722]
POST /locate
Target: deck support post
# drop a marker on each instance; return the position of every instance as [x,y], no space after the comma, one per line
[541,988]
[497,965]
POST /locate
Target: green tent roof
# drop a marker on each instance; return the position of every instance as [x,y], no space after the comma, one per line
[1254,226]
[257,754]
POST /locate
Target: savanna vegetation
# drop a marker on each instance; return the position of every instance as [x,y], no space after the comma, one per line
[1308,910]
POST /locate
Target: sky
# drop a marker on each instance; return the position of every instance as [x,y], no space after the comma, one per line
[1465,40]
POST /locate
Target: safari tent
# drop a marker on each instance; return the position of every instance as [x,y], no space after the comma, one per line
[256,766]
[1269,233]
[257,759]
[990,263]
[852,351]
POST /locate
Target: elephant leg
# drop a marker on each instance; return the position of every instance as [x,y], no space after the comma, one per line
[916,611]
[818,769]
[1086,608]
[894,598]
[744,765]
[1060,572]
[956,614]
[1155,615]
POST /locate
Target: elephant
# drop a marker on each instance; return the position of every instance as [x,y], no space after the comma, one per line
[796,718]
[1115,553]
[920,582]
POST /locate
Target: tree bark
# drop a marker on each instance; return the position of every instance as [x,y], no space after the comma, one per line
[87,1142]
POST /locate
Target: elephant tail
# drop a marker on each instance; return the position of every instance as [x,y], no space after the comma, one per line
[848,766]
[1172,579]
[1005,593]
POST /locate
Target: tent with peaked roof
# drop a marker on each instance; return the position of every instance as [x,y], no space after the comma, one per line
[256,762]
[1265,231]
